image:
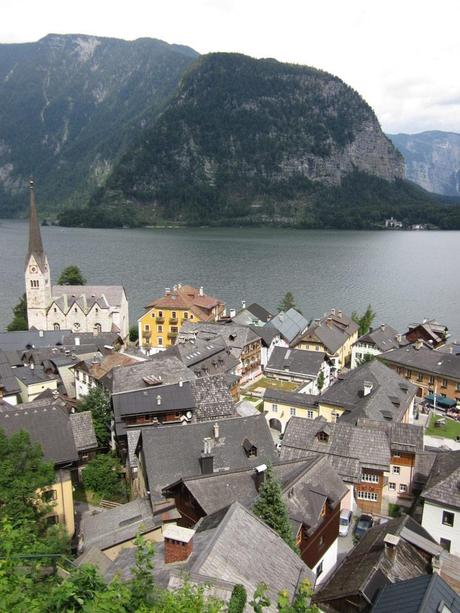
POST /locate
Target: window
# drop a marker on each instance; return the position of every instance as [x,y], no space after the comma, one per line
[319,569]
[97,328]
[323,437]
[431,379]
[191,315]
[402,487]
[408,372]
[34,284]
[274,408]
[174,329]
[55,309]
[321,541]
[174,315]
[396,470]
[369,478]
[458,387]
[310,414]
[56,326]
[52,520]
[391,486]
[292,411]
[444,383]
[367,496]
[448,518]
[76,310]
[146,327]
[185,315]
[49,495]
[396,454]
[445,543]
[159,328]
[160,340]
[419,376]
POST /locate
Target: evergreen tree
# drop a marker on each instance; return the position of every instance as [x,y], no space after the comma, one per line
[98,403]
[238,599]
[134,334]
[19,321]
[288,302]
[71,276]
[271,508]
[364,321]
[320,381]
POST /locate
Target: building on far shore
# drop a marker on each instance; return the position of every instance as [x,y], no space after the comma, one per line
[79,308]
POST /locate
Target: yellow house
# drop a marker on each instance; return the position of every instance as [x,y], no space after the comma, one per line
[334,334]
[34,381]
[160,324]
[60,498]
[280,406]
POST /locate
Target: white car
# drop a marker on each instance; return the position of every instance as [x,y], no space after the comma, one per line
[345,522]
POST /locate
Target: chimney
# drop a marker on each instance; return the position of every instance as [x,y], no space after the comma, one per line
[77,341]
[178,543]
[243,304]
[167,291]
[201,291]
[329,322]
[260,475]
[398,338]
[367,388]
[332,311]
[181,383]
[207,459]
[339,313]
[382,327]
[391,542]
[158,399]
[40,333]
[232,313]
[451,349]
[216,431]
[418,344]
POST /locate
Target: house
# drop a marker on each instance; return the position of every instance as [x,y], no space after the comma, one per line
[312,491]
[34,381]
[388,553]
[112,530]
[160,324]
[289,324]
[9,386]
[49,425]
[252,315]
[376,341]
[165,454]
[230,547]
[243,342]
[334,334]
[376,460]
[441,496]
[281,405]
[78,308]
[270,338]
[429,331]
[373,391]
[393,224]
[433,372]
[308,368]
[91,373]
[84,435]
[424,594]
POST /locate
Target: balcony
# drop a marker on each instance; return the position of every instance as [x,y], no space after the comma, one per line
[172,335]
[160,320]
[173,321]
[146,333]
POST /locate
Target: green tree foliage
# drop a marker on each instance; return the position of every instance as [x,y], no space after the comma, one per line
[271,508]
[367,357]
[320,382]
[287,302]
[365,320]
[238,599]
[98,402]
[19,321]
[260,600]
[104,476]
[302,601]
[71,275]
[23,471]
[134,334]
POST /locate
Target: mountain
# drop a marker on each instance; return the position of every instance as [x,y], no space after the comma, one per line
[432,160]
[70,105]
[250,141]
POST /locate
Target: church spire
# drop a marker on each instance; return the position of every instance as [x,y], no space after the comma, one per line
[35,237]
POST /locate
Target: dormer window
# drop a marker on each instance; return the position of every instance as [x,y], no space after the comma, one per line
[249,448]
[323,436]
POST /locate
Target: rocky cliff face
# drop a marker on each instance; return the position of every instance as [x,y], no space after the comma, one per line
[239,125]
[69,105]
[432,160]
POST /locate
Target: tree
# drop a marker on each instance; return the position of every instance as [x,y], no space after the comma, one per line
[71,276]
[364,321]
[271,508]
[320,381]
[288,302]
[97,401]
[301,603]
[103,475]
[260,600]
[23,471]
[238,599]
[134,334]
[367,357]
[19,321]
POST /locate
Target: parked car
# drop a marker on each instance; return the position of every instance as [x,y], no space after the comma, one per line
[345,522]
[362,525]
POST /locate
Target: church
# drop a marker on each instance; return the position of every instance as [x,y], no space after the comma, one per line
[79,308]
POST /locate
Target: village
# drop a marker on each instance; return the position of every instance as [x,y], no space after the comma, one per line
[357,423]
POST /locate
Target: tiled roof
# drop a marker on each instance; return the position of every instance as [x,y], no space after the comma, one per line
[305,364]
[443,485]
[100,368]
[167,369]
[383,338]
[8,382]
[83,430]
[190,298]
[300,400]
[212,398]
[289,324]
[236,337]
[88,295]
[428,360]
[332,331]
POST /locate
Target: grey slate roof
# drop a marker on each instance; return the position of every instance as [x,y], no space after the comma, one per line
[27,339]
[87,295]
[389,399]
[83,430]
[212,398]
[204,357]
[296,362]
[266,333]
[29,376]
[275,395]
[426,360]
[402,437]
[332,330]
[368,567]
[172,452]
[47,423]
[443,485]
[383,338]
[234,547]
[168,369]
[7,379]
[253,314]
[109,528]
[425,594]
[370,447]
[289,324]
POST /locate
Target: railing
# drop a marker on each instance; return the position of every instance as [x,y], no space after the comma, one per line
[172,335]
[173,320]
[160,320]
[109,504]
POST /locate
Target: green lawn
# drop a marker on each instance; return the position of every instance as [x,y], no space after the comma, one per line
[265,382]
[451,429]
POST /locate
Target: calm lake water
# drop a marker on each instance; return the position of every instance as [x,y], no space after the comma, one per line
[406,276]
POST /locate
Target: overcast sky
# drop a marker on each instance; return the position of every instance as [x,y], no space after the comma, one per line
[401,55]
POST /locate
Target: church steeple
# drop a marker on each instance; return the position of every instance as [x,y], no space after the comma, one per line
[35,237]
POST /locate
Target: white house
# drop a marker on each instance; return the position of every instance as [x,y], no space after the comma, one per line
[441,508]
[384,338]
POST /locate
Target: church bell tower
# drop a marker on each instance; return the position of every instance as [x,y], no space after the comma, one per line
[37,273]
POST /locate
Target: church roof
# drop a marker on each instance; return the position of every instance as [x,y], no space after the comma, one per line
[35,237]
[86,296]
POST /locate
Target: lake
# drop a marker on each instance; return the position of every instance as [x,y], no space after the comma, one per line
[406,276]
